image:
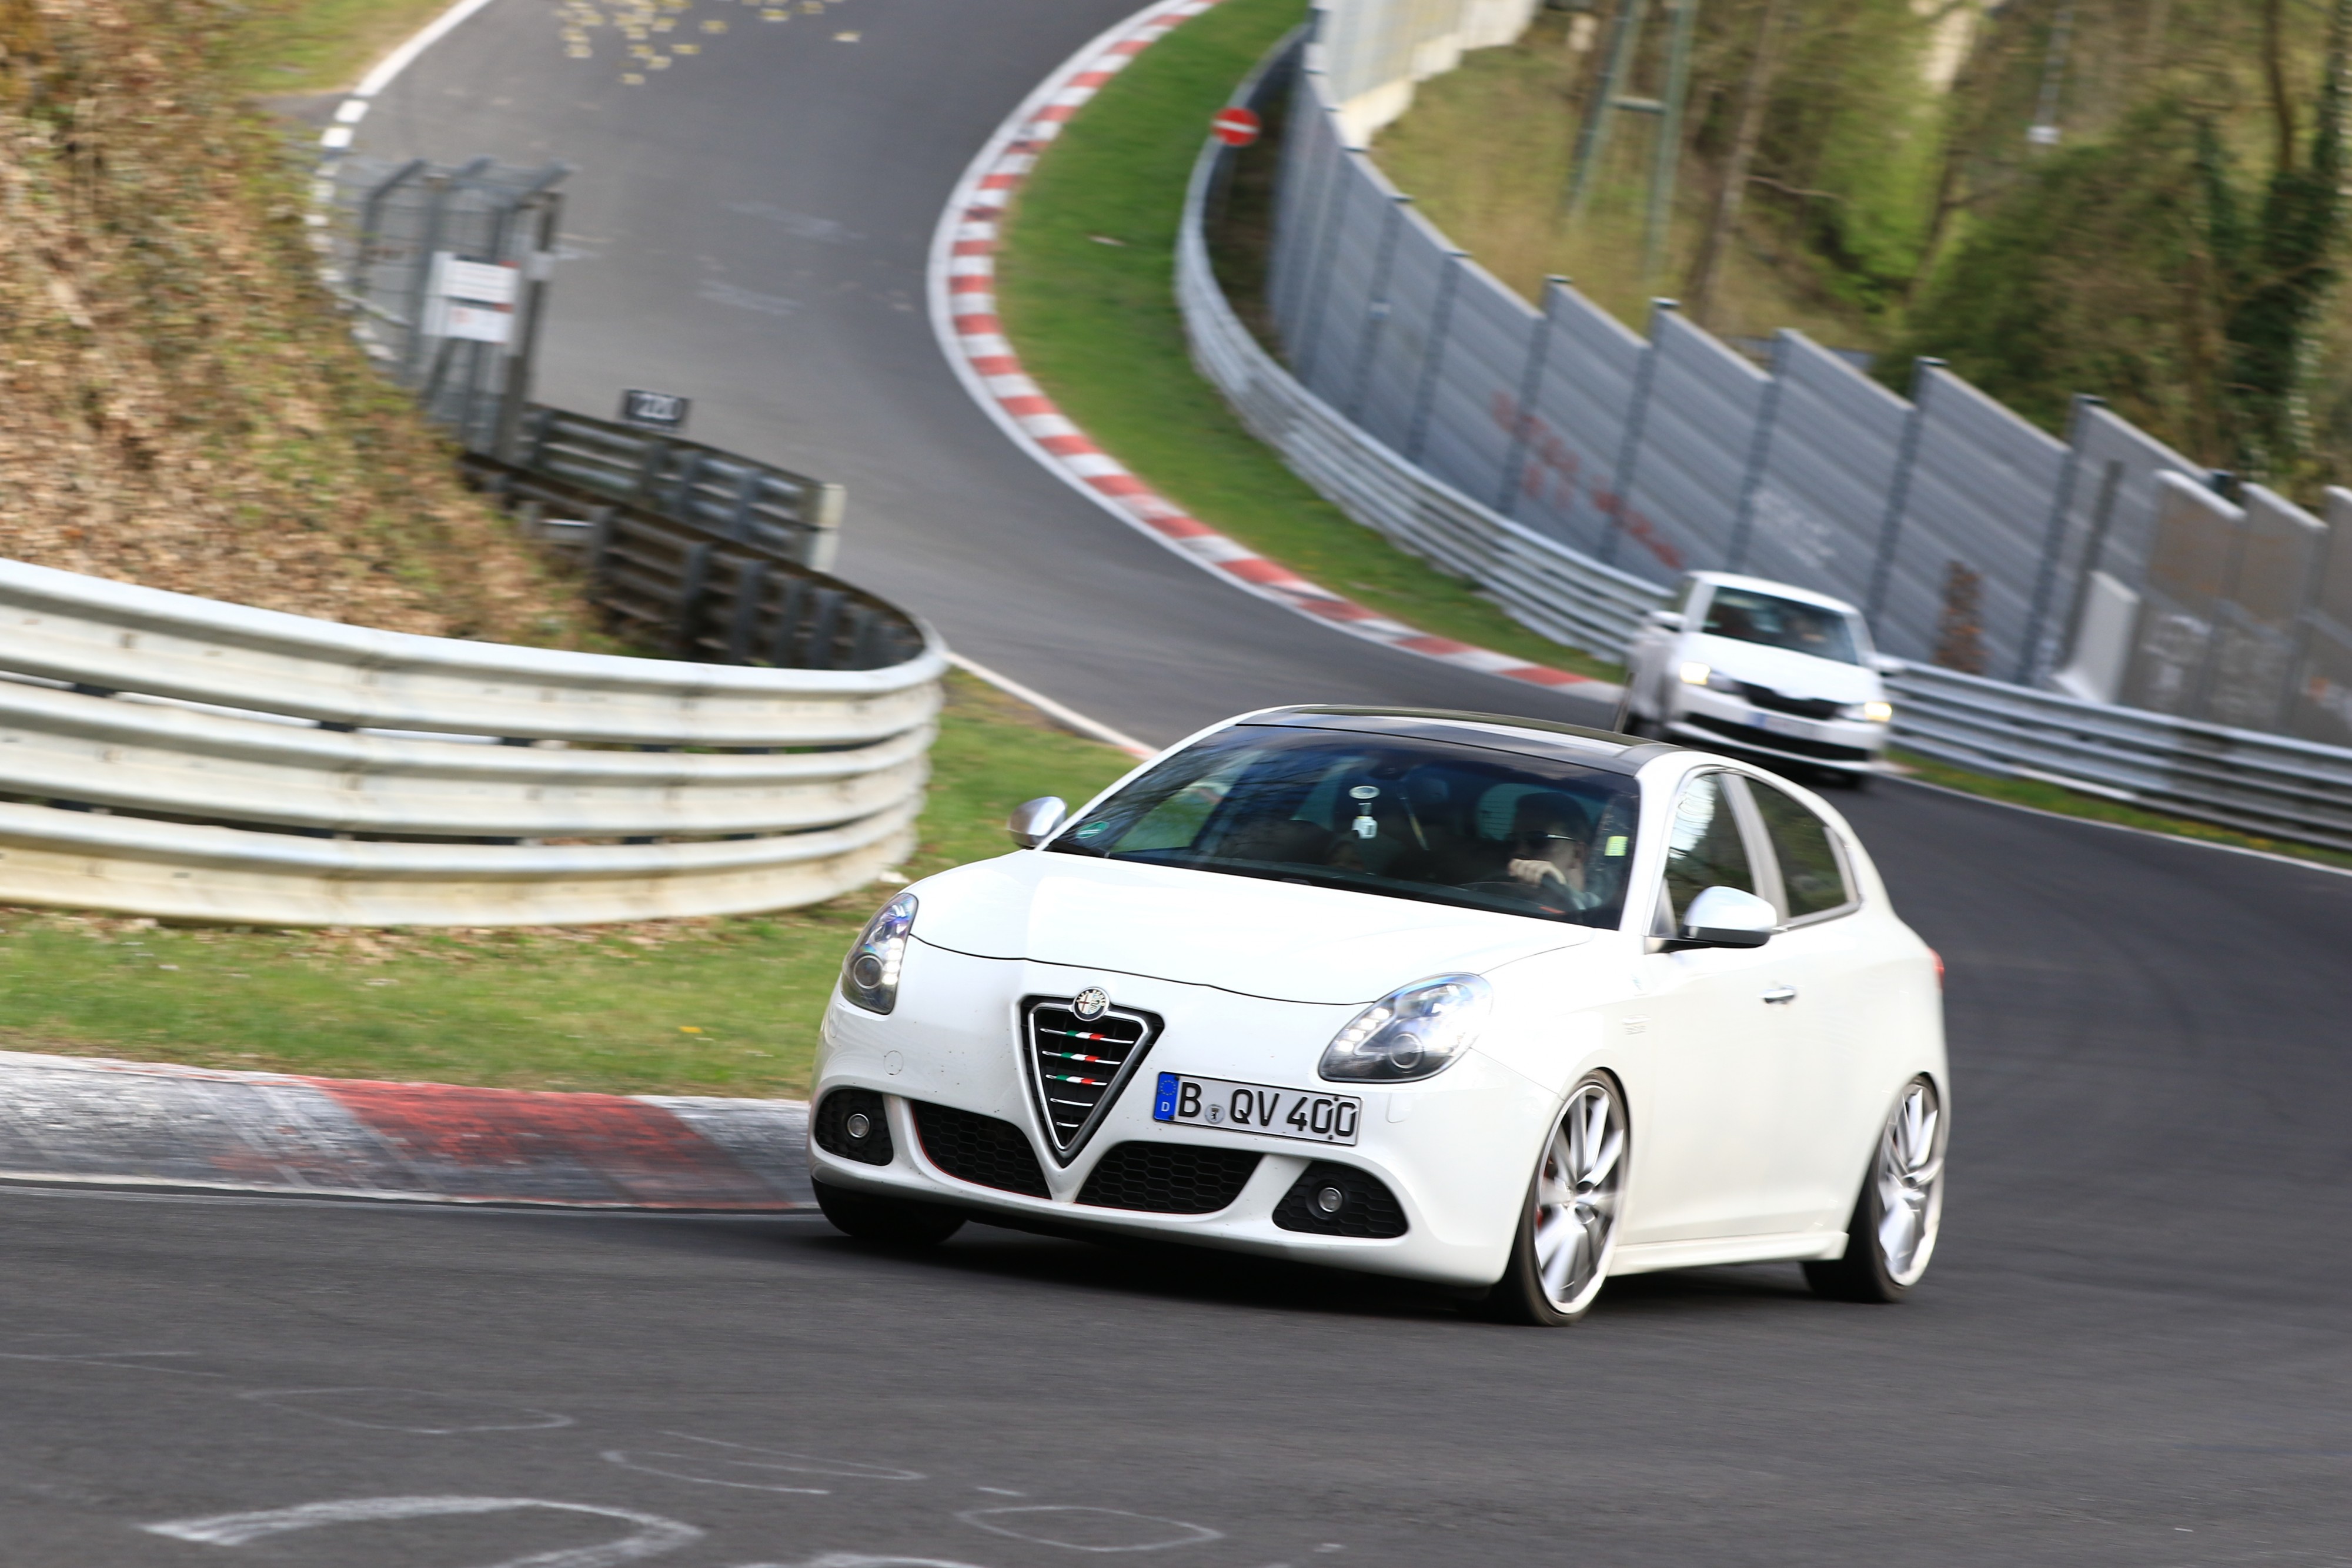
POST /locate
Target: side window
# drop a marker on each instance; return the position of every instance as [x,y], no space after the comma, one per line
[1812,874]
[1705,848]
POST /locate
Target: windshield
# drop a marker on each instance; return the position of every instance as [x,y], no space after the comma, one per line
[1745,616]
[1406,818]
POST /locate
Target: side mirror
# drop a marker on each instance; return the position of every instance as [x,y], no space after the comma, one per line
[1035,821]
[1671,620]
[1886,664]
[1727,917]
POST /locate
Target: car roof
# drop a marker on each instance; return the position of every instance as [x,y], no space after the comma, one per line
[1766,585]
[1547,738]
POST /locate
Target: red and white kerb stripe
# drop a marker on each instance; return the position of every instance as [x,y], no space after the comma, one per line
[963,312]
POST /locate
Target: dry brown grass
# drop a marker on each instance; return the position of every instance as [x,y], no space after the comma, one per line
[181,403]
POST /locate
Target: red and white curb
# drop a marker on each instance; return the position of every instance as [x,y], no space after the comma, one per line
[962,289]
[68,1119]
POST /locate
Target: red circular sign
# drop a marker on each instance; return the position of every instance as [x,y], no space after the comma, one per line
[1237,127]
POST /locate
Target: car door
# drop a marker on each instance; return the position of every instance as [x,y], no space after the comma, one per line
[1822,957]
[1710,1156]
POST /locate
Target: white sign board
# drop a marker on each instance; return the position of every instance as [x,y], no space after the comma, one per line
[473,300]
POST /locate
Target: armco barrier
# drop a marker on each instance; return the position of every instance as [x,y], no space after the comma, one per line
[176,756]
[2266,784]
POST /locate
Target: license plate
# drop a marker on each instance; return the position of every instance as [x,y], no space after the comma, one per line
[1257,1108]
[1775,724]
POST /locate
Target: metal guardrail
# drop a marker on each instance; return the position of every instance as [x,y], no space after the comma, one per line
[2263,784]
[181,757]
[1559,590]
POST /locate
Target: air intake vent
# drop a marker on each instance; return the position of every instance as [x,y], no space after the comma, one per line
[979,1149]
[1169,1178]
[1077,1066]
[1332,1200]
[850,1124]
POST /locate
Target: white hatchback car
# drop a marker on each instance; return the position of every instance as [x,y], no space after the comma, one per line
[1488,1001]
[1765,668]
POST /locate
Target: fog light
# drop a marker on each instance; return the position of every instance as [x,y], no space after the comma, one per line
[858,1126]
[1330,1200]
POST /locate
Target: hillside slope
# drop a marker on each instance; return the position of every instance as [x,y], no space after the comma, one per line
[181,403]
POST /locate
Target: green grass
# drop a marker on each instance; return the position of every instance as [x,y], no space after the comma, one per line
[2067,802]
[1096,325]
[722,1005]
[318,45]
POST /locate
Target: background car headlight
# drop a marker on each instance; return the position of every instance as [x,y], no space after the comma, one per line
[1874,713]
[1412,1032]
[869,975]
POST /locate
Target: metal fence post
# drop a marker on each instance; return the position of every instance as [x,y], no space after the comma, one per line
[1629,450]
[1376,308]
[1760,456]
[1898,491]
[2053,538]
[1432,358]
[1506,492]
[2103,512]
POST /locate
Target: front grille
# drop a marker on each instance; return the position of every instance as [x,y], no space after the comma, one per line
[1367,1209]
[979,1149]
[1169,1178]
[1803,707]
[1764,740]
[1078,1067]
[835,1135]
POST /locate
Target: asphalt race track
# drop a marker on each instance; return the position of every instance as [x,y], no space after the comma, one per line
[2132,1349]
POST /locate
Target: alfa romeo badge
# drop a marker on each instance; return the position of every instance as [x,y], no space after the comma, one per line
[1090,1004]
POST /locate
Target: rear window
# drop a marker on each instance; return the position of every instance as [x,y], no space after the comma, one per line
[1744,615]
[1397,817]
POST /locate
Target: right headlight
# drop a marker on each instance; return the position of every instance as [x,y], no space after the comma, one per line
[869,974]
[1414,1031]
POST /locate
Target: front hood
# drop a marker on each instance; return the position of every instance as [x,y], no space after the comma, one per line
[1791,674]
[1239,934]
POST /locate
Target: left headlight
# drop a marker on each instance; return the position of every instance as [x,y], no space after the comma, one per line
[1873,713]
[869,975]
[1414,1031]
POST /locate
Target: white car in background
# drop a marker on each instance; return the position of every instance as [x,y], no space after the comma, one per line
[1503,1004]
[1767,669]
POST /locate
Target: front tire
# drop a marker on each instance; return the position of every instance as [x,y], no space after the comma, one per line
[1896,1220]
[1567,1226]
[891,1221]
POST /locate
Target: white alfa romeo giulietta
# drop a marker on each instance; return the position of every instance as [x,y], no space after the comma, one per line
[1492,1002]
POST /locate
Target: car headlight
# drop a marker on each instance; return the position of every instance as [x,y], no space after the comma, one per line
[1414,1031]
[869,975]
[1874,713]
[1696,674]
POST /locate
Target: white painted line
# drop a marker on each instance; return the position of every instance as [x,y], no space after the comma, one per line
[1093,730]
[399,60]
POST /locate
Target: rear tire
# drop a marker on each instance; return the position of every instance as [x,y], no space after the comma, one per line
[1568,1224]
[890,1222]
[1892,1234]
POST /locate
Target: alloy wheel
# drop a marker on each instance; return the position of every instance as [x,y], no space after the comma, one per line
[1576,1199]
[1910,1179]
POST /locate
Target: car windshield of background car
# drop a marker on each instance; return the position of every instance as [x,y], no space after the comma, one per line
[1746,616]
[1404,819]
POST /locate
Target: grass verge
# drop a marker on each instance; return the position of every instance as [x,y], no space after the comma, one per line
[2066,802]
[318,45]
[719,1006]
[1084,286]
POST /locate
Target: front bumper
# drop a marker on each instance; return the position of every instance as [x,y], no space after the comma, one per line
[1456,1151]
[1712,719]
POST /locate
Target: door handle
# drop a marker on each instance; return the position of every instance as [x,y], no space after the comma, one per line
[1779,993]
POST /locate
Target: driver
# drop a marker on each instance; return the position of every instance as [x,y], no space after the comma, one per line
[1549,842]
